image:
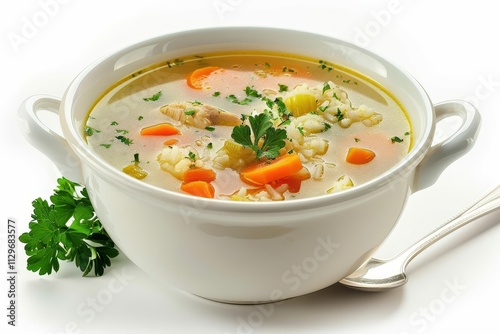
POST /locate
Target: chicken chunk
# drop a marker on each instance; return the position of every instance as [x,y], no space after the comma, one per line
[199,115]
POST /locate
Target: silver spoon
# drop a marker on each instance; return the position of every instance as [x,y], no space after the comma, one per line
[380,275]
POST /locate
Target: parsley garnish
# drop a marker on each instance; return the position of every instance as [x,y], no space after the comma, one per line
[262,128]
[281,108]
[89,131]
[326,86]
[125,140]
[282,88]
[339,115]
[324,65]
[67,230]
[155,97]
[234,99]
[252,92]
[396,139]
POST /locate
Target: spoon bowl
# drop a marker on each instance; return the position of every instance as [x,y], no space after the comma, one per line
[381,275]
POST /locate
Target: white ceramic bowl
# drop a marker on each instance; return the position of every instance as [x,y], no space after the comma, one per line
[245,252]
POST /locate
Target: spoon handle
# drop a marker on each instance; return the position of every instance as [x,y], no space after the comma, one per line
[485,204]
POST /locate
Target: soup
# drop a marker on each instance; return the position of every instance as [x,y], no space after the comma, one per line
[249,126]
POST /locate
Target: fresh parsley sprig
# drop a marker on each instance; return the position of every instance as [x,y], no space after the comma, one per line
[67,230]
[261,127]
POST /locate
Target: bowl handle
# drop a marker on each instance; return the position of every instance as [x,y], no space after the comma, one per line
[43,136]
[443,153]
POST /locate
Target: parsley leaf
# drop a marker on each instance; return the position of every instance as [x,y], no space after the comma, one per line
[67,229]
[89,131]
[125,140]
[396,139]
[155,97]
[262,128]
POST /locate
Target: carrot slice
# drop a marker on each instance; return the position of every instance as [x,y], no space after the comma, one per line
[294,181]
[162,129]
[199,174]
[268,171]
[195,79]
[359,156]
[170,142]
[199,188]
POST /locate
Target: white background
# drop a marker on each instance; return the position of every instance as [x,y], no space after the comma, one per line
[451,47]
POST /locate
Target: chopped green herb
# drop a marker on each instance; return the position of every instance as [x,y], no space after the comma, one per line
[252,92]
[190,112]
[407,133]
[89,131]
[210,128]
[209,146]
[140,118]
[283,111]
[357,140]
[114,123]
[215,94]
[234,99]
[125,140]
[136,158]
[339,115]
[326,86]
[283,88]
[396,139]
[155,97]
[105,145]
[335,96]
[191,156]
[122,131]
[67,229]
[196,103]
[327,126]
[324,65]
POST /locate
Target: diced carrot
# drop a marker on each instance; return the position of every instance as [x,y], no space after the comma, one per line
[195,79]
[170,142]
[199,174]
[199,188]
[359,156]
[162,129]
[268,171]
[294,181]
